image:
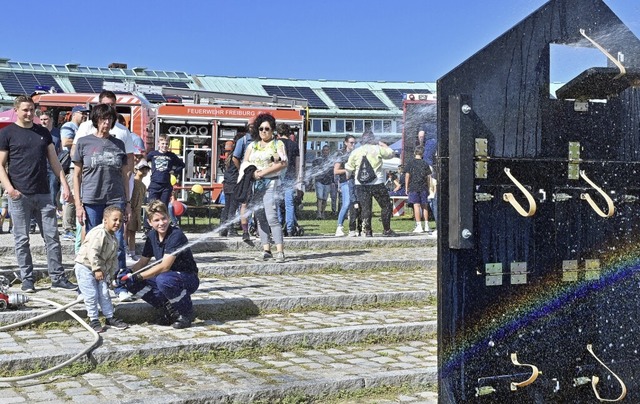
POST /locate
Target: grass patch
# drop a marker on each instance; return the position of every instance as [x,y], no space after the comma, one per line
[313,226]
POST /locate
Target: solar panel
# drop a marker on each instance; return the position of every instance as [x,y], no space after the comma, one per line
[354,98]
[26,83]
[396,95]
[163,83]
[89,84]
[297,92]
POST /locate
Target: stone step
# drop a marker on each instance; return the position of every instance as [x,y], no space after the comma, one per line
[210,242]
[251,295]
[33,348]
[305,373]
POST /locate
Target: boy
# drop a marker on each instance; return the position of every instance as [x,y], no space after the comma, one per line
[163,164]
[169,283]
[96,263]
[417,180]
[137,200]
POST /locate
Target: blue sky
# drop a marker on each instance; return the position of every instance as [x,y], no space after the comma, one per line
[407,40]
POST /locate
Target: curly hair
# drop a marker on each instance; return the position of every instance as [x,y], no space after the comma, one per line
[263,117]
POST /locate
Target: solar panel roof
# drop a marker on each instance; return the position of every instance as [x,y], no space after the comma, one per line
[297,92]
[16,83]
[354,98]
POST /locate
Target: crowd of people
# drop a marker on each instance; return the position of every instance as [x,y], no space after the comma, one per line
[97,167]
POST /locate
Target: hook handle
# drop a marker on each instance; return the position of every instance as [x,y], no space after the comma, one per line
[615,61]
[534,373]
[593,205]
[508,197]
[596,379]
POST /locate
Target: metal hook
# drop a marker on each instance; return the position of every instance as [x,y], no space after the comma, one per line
[596,379]
[615,61]
[588,198]
[508,197]
[534,373]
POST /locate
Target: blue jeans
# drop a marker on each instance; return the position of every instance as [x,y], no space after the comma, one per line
[433,204]
[174,287]
[96,294]
[93,214]
[22,211]
[266,215]
[289,191]
[346,201]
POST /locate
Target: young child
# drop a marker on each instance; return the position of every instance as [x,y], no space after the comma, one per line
[137,200]
[163,163]
[96,264]
[417,180]
[168,284]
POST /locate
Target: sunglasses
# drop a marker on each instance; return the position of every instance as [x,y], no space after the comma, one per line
[264,129]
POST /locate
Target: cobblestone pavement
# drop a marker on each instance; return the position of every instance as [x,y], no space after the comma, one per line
[343,317]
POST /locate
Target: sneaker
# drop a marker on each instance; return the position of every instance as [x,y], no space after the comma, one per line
[266,255]
[182,322]
[133,256]
[368,233]
[125,296]
[68,235]
[389,233]
[245,236]
[116,323]
[96,325]
[353,233]
[339,232]
[418,228]
[280,256]
[64,284]
[27,286]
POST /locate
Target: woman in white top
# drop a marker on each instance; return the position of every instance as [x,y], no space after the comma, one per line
[270,158]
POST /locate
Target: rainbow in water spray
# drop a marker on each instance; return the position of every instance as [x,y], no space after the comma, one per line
[546,297]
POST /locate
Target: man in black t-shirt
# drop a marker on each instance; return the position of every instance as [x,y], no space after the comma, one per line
[27,147]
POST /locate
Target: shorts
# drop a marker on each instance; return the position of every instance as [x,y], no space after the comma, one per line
[4,203]
[322,191]
[135,220]
[419,197]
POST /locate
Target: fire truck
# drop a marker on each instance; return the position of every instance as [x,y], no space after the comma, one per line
[137,111]
[205,123]
[199,124]
[418,111]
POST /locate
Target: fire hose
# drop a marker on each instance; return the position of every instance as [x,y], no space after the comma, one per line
[58,308]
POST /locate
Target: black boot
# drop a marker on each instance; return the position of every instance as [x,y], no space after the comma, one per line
[166,315]
[183,321]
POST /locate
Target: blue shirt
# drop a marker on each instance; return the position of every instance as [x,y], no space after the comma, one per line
[161,166]
[173,241]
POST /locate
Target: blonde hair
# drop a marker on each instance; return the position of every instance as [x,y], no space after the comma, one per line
[157,206]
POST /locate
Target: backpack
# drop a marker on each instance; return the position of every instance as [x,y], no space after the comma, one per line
[366,174]
[65,161]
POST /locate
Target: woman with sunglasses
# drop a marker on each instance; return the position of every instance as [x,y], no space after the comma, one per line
[269,157]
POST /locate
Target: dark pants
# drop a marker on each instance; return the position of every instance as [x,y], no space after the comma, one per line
[229,211]
[365,193]
[171,286]
[162,194]
[54,188]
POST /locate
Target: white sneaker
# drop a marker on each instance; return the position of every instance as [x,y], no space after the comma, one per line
[125,296]
[353,233]
[418,228]
[339,232]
